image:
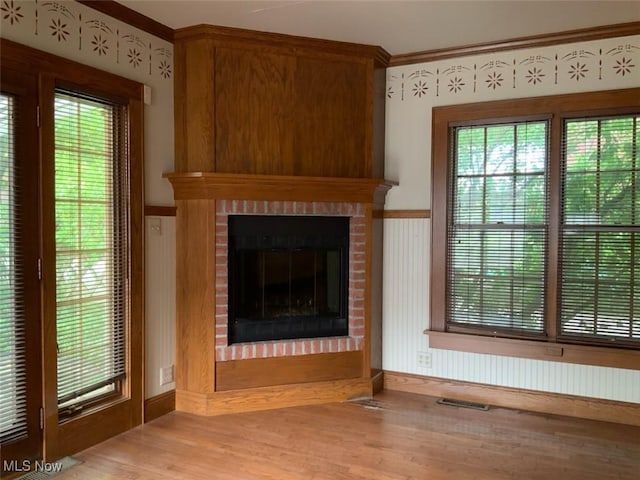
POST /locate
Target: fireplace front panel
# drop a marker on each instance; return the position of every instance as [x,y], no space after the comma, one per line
[288,277]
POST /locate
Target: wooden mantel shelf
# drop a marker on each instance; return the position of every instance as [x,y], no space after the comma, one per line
[231,186]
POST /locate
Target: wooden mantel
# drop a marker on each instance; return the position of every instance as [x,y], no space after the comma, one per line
[231,186]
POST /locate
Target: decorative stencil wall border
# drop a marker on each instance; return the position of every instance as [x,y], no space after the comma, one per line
[79,27]
[598,61]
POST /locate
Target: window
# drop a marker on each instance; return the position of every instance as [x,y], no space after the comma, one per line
[600,228]
[497,232]
[91,249]
[536,219]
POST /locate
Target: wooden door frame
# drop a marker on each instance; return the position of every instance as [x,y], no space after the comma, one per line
[24,87]
[105,421]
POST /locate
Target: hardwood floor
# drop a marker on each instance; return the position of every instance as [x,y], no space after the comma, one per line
[409,437]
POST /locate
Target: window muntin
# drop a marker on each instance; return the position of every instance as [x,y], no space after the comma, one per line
[91,249]
[497,228]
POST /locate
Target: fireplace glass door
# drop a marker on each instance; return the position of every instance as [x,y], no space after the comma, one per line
[287,277]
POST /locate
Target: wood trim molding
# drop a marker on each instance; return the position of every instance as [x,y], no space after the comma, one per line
[407,214]
[268,398]
[506,397]
[267,39]
[377,380]
[159,211]
[534,41]
[538,350]
[135,19]
[25,58]
[159,405]
[263,372]
[230,186]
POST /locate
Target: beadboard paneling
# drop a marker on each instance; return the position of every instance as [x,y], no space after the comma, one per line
[405,292]
[160,286]
[406,316]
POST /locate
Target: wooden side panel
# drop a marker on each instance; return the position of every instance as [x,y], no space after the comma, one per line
[180,106]
[379,101]
[331,120]
[195,296]
[194,106]
[262,372]
[375,299]
[254,123]
[190,402]
[281,396]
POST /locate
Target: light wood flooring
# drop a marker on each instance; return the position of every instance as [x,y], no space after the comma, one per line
[409,437]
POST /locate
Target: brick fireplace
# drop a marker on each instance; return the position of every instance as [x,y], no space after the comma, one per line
[269,124]
[214,376]
[356,280]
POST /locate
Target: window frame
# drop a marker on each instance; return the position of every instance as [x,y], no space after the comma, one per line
[557,109]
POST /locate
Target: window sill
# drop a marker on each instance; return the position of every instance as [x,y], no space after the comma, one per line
[552,352]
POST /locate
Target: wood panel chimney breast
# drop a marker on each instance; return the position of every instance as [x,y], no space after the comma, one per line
[272,124]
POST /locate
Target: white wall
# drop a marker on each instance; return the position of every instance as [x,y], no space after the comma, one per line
[412,92]
[71,30]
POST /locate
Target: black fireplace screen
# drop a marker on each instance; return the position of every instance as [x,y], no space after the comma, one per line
[288,277]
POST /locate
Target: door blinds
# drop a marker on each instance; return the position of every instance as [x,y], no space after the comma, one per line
[13,395]
[91,248]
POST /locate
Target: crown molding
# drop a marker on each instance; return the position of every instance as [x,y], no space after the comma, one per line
[125,14]
[571,36]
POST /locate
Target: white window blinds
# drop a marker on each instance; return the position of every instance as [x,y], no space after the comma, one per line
[13,421]
[600,232]
[497,228]
[91,248]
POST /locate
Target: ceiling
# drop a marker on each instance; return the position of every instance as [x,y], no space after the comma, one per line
[397,25]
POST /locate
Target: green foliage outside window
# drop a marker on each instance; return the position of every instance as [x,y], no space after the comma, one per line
[84,206]
[499,225]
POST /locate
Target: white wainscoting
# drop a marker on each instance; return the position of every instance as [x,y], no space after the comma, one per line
[160,290]
[406,316]
[405,297]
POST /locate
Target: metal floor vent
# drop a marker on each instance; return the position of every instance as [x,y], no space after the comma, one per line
[47,470]
[452,402]
[370,404]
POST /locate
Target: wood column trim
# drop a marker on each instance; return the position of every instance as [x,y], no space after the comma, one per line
[531,400]
[195,296]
